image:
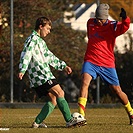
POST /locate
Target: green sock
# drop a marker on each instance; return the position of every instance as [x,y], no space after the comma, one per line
[64,108]
[46,110]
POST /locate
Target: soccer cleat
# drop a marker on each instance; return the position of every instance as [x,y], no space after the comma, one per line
[41,125]
[76,122]
[131,119]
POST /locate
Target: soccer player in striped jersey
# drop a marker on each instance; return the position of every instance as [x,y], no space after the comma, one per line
[37,59]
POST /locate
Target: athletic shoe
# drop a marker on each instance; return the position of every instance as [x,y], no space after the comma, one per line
[76,122]
[131,119]
[41,125]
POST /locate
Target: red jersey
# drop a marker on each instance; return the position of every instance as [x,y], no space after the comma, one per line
[101,41]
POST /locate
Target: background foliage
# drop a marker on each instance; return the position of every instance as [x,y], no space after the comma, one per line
[64,42]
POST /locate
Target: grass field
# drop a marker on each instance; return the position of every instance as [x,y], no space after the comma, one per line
[108,120]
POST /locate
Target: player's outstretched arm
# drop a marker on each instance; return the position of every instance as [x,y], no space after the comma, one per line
[123,13]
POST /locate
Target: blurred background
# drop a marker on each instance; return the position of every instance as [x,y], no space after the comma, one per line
[67,41]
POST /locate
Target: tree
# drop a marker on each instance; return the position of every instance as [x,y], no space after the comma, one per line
[62,38]
[63,41]
[0,19]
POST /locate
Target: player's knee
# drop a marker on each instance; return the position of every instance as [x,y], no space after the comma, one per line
[52,98]
[117,89]
[60,93]
[54,102]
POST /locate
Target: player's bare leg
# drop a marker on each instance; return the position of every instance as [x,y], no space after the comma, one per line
[82,100]
[124,100]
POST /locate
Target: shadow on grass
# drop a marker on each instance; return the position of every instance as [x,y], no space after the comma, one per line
[19,125]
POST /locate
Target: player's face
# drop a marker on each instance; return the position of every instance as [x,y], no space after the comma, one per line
[100,22]
[44,31]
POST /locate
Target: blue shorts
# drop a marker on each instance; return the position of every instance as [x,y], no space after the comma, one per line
[109,75]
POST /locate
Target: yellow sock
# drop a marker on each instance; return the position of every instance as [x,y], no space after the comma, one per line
[82,103]
[129,108]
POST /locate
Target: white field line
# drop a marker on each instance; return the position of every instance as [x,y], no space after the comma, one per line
[4,129]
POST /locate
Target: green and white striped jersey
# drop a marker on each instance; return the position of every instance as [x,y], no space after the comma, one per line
[36,58]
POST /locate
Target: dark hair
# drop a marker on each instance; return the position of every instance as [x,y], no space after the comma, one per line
[42,21]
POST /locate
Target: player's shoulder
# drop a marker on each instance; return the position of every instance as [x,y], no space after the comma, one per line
[91,20]
[113,22]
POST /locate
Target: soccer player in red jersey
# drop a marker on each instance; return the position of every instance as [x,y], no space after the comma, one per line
[99,58]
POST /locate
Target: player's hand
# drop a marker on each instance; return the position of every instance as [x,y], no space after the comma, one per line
[20,75]
[123,13]
[68,70]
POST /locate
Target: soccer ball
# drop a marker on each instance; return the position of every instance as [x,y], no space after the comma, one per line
[79,119]
[77,115]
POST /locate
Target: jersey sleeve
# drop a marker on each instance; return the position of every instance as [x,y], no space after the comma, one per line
[26,54]
[55,61]
[88,23]
[121,27]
